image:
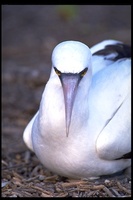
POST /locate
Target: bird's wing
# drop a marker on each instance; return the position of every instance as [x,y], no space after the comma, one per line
[101,45]
[107,52]
[112,98]
[28,131]
[114,141]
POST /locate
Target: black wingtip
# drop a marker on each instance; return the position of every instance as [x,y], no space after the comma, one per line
[125,156]
[120,50]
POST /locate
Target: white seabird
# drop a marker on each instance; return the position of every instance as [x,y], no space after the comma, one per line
[83,126]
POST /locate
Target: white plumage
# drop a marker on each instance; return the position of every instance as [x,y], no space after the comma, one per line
[83,126]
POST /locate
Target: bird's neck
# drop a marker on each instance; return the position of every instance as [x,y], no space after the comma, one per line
[52,108]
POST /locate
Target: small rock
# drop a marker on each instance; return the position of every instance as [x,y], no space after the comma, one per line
[41,177]
[107,181]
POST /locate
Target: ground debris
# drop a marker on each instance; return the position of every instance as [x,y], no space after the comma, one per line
[33,180]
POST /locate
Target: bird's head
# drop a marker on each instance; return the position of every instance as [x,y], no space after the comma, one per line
[71,62]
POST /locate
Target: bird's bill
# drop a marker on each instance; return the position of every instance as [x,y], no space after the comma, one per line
[70,84]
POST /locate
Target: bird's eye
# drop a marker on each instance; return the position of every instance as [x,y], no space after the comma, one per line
[57,71]
[82,73]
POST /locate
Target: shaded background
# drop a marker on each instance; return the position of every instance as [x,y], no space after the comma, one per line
[29,34]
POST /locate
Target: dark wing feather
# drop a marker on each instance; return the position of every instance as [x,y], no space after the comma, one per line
[120,50]
[125,156]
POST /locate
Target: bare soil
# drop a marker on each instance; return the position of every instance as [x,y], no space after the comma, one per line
[29,33]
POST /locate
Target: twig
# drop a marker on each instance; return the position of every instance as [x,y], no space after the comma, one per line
[115,192]
[123,188]
[41,190]
[31,179]
[108,192]
[72,184]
